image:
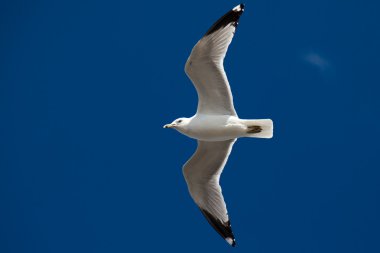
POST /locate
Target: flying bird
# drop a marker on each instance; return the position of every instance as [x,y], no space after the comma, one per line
[216,125]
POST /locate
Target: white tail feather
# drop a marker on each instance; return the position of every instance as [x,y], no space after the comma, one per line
[266,126]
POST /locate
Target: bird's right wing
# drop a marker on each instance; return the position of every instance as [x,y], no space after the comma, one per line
[205,66]
[202,172]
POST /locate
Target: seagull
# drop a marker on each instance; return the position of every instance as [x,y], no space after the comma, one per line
[215,126]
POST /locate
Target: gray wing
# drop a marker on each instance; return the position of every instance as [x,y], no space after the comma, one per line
[205,66]
[202,172]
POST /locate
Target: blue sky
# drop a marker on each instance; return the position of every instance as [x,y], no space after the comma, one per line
[85,87]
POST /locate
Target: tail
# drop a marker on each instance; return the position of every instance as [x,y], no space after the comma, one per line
[259,128]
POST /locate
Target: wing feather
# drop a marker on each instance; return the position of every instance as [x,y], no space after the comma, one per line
[202,172]
[205,68]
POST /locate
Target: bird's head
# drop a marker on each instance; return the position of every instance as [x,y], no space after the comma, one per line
[178,124]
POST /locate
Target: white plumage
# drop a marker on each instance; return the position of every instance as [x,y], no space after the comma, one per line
[215,125]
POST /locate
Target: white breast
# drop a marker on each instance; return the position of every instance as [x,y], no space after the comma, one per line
[214,127]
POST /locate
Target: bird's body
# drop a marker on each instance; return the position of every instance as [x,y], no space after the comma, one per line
[205,127]
[215,125]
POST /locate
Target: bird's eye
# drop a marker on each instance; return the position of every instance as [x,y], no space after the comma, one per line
[179,121]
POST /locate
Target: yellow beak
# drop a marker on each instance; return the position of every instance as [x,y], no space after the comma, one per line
[168,126]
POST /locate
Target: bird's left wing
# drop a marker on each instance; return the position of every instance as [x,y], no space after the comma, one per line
[205,66]
[202,172]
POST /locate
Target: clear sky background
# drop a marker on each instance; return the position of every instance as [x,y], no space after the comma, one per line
[86,86]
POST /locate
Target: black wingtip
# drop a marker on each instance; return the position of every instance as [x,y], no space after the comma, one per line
[239,8]
[232,16]
[223,228]
[242,5]
[231,241]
